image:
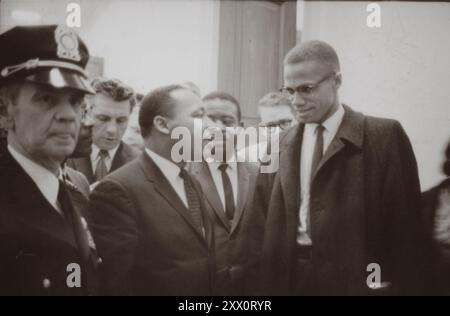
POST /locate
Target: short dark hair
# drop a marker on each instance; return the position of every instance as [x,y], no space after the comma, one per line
[114,88]
[156,102]
[224,96]
[316,50]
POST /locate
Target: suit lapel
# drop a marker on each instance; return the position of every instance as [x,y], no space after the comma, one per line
[349,132]
[203,174]
[207,220]
[243,188]
[290,176]
[290,167]
[165,189]
[118,158]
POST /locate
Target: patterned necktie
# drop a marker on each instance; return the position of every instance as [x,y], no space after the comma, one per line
[193,199]
[228,190]
[100,170]
[318,150]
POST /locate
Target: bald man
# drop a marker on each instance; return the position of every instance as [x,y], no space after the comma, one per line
[341,211]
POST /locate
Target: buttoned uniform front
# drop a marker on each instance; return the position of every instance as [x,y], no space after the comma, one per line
[37,244]
[41,242]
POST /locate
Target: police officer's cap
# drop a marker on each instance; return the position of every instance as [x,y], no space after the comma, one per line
[48,54]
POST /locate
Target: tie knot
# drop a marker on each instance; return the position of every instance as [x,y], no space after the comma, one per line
[320,128]
[103,154]
[184,174]
[223,166]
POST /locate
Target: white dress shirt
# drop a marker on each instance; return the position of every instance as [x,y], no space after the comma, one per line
[331,126]
[232,173]
[44,179]
[95,157]
[172,173]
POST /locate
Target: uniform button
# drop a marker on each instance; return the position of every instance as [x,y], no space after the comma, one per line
[100,261]
[46,283]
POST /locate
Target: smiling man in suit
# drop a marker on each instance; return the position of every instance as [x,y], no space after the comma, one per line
[228,186]
[109,110]
[152,227]
[44,234]
[346,194]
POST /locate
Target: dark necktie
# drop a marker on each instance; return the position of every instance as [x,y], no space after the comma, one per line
[193,199]
[228,191]
[318,150]
[74,220]
[100,170]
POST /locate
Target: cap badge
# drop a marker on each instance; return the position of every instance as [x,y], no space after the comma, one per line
[67,43]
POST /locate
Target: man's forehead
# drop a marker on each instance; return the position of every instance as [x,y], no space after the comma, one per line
[305,72]
[275,113]
[111,107]
[103,99]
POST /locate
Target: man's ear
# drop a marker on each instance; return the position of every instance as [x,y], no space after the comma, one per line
[160,123]
[338,80]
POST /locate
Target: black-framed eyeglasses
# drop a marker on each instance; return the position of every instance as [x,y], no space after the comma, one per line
[305,90]
[282,124]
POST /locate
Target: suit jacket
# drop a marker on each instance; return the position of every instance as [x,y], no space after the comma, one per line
[364,204]
[124,154]
[36,243]
[146,236]
[231,239]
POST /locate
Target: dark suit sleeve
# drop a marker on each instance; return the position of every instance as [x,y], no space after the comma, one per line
[401,207]
[116,236]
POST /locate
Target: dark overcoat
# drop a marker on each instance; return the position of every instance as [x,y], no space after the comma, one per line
[364,208]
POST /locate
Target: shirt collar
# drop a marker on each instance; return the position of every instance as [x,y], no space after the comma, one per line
[168,168]
[331,124]
[96,150]
[45,180]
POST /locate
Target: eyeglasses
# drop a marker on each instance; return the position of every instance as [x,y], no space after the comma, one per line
[305,90]
[282,124]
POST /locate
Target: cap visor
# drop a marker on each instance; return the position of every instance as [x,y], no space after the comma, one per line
[61,78]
